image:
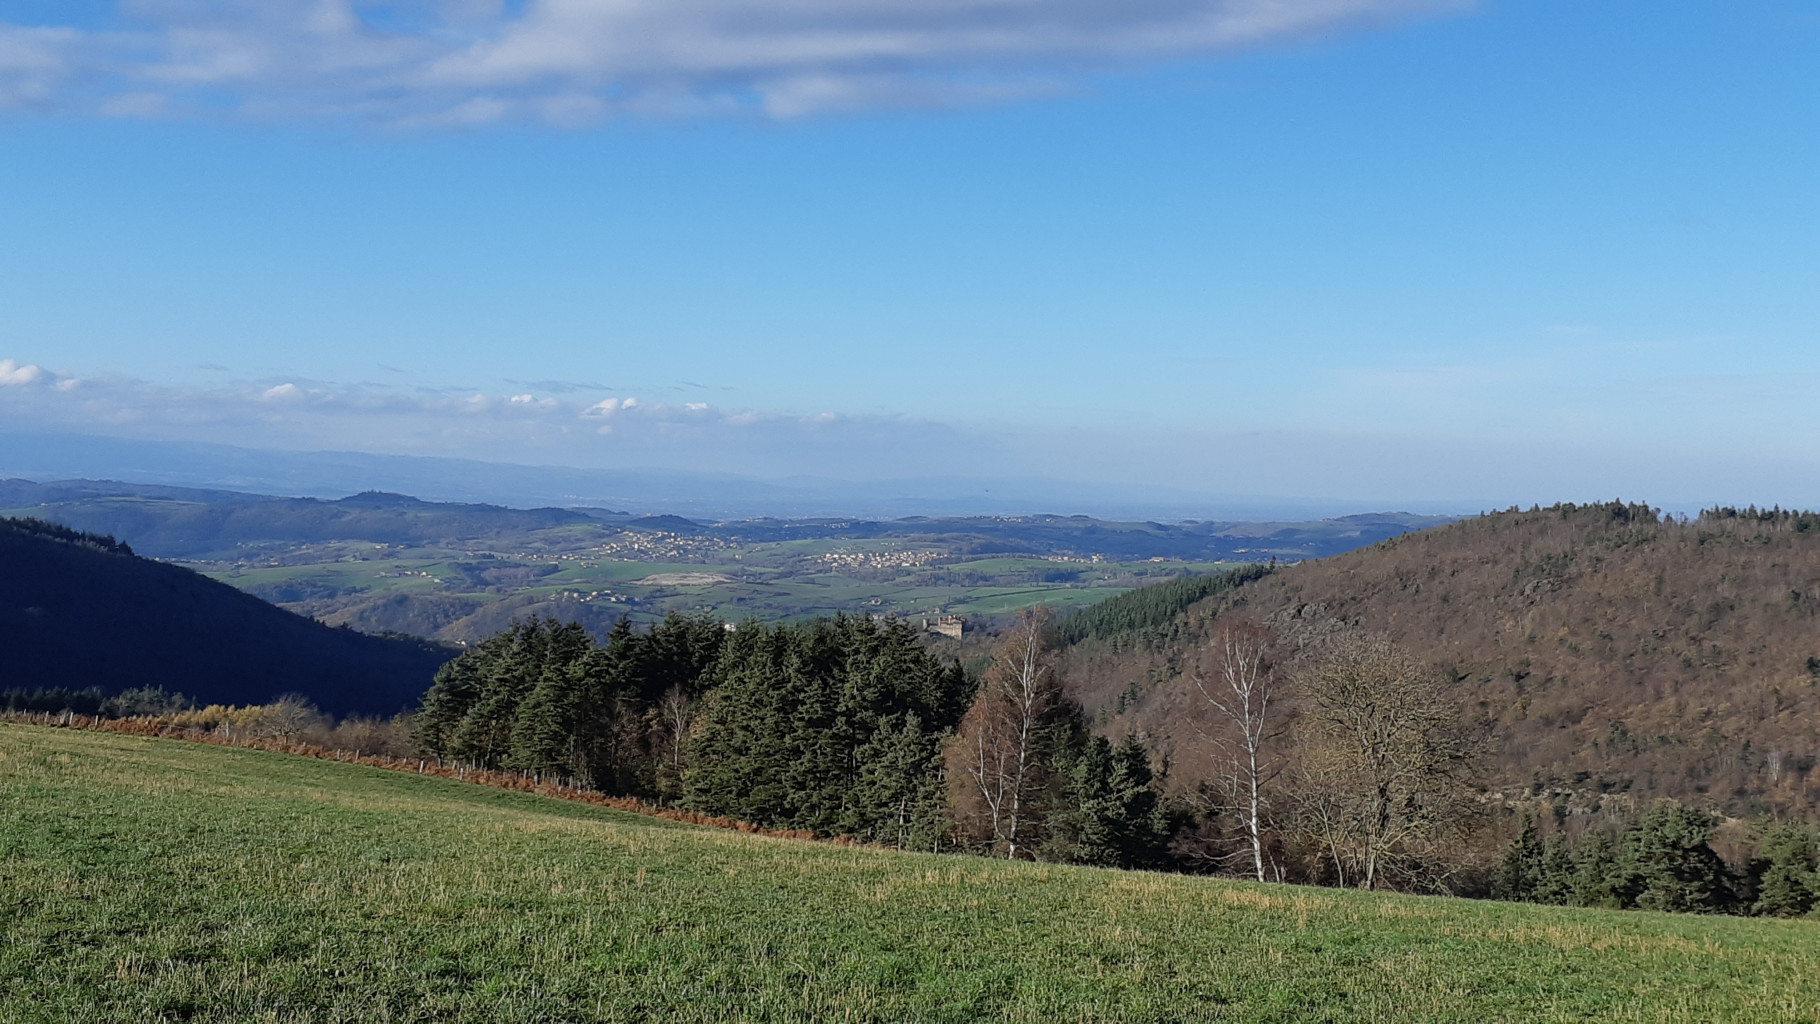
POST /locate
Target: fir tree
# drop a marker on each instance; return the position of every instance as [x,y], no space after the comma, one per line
[1786,871]
[1520,874]
[1673,868]
[1109,812]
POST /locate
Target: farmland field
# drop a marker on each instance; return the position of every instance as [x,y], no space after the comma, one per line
[455,572]
[341,582]
[157,880]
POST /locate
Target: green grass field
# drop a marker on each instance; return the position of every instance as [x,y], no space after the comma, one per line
[151,880]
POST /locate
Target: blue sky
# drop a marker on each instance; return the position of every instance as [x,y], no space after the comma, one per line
[1383,250]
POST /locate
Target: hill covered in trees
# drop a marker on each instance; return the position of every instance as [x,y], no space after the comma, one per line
[80,611]
[1611,655]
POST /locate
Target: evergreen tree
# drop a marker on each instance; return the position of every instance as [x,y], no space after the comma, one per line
[1786,871]
[1556,884]
[1598,879]
[1108,811]
[1519,876]
[899,797]
[545,734]
[809,726]
[1669,864]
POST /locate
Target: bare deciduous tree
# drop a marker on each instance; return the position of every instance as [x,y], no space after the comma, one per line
[288,716]
[677,712]
[1239,683]
[1384,772]
[997,761]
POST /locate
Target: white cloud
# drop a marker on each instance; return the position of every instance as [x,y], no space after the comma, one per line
[13,374]
[1389,463]
[573,62]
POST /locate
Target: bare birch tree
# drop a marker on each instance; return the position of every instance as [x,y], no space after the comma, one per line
[677,713]
[998,760]
[1240,684]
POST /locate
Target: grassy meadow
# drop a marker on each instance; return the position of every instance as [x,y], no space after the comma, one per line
[150,880]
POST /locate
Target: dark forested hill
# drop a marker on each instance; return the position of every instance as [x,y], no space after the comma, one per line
[1607,649]
[78,610]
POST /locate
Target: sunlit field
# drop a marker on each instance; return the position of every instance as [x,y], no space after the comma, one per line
[150,880]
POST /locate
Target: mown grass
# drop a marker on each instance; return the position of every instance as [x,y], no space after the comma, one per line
[152,880]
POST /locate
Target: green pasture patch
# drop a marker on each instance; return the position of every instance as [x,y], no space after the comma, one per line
[1013,563]
[374,575]
[156,880]
[999,600]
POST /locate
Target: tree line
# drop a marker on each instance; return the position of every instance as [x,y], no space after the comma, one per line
[846,726]
[851,726]
[1340,758]
[1337,757]
[1664,861]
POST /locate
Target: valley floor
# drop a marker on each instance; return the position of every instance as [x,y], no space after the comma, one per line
[154,880]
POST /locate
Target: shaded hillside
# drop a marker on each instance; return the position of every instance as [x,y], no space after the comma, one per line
[1612,654]
[79,610]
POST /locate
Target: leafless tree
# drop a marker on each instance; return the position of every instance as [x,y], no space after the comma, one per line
[677,713]
[1385,762]
[1239,683]
[288,716]
[997,758]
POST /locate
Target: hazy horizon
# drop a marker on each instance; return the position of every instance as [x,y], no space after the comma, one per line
[1349,254]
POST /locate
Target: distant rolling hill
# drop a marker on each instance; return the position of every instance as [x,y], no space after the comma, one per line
[1610,653]
[179,522]
[79,610]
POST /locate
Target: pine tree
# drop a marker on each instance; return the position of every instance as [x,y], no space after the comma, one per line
[1520,874]
[1108,811]
[799,714]
[1786,871]
[1556,884]
[1598,880]
[898,797]
[1674,869]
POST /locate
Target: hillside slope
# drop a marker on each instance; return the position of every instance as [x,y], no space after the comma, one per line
[318,891]
[177,522]
[78,611]
[1608,651]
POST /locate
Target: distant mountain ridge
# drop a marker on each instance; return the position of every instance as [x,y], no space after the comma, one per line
[175,522]
[698,495]
[79,610]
